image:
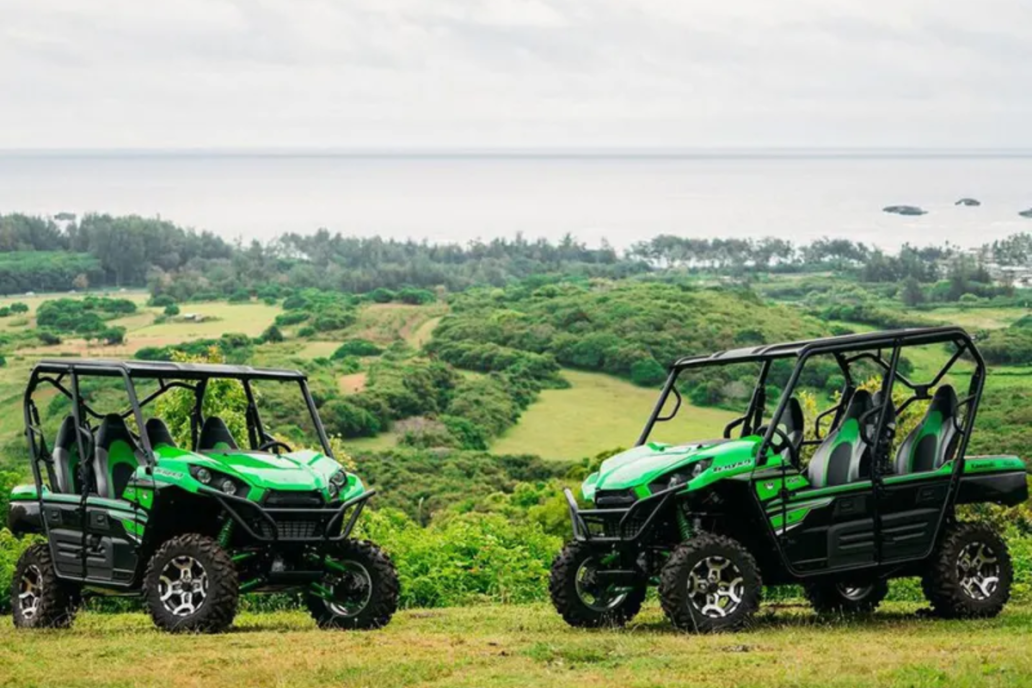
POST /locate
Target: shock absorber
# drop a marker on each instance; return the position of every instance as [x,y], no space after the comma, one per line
[683,525]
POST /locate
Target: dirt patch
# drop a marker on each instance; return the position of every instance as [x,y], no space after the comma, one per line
[352,384]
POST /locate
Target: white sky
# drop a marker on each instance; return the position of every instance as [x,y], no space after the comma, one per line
[515,73]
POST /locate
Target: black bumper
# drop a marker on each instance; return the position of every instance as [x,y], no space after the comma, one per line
[293,524]
[618,525]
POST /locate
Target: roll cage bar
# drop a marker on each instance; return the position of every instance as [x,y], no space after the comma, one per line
[64,375]
[846,350]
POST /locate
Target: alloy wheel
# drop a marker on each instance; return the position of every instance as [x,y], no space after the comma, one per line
[183,586]
[978,571]
[716,587]
[30,592]
[592,594]
[351,591]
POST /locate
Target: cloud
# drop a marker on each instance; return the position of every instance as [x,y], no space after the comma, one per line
[511,73]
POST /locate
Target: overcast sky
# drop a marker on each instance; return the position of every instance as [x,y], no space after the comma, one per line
[514,73]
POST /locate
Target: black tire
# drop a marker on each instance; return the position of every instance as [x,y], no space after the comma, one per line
[219,588]
[367,595]
[569,602]
[49,601]
[850,598]
[683,568]
[957,592]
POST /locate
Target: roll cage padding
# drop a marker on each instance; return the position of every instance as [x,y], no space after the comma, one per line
[116,457]
[839,458]
[931,443]
[158,433]
[215,434]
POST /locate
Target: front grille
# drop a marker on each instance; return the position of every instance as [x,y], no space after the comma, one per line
[605,499]
[285,499]
[293,529]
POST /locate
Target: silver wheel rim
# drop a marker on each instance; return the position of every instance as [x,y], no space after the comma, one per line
[183,586]
[716,587]
[978,570]
[30,592]
[854,593]
[351,591]
[589,592]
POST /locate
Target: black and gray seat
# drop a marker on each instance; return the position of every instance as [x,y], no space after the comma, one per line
[66,457]
[934,441]
[841,456]
[215,436]
[116,457]
[793,423]
[158,433]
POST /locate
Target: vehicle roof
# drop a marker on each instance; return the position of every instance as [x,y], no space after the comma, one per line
[162,369]
[844,343]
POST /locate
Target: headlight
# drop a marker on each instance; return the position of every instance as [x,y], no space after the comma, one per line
[228,486]
[221,482]
[339,478]
[201,474]
[333,490]
[700,466]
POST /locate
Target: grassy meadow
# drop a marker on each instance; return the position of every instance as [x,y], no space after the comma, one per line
[500,646]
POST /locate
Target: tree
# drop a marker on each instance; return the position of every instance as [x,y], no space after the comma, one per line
[81,282]
[172,310]
[272,334]
[912,295]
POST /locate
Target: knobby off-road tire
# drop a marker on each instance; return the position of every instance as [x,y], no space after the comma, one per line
[39,599]
[577,597]
[850,598]
[191,585]
[970,575]
[366,597]
[710,583]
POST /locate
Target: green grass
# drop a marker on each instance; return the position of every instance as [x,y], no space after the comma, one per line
[498,646]
[600,412]
[976,318]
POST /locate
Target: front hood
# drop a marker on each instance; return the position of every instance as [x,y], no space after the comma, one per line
[299,470]
[637,467]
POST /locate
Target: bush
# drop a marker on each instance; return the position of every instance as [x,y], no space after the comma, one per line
[333,319]
[381,295]
[347,419]
[161,301]
[291,318]
[466,559]
[416,296]
[48,338]
[272,334]
[239,296]
[5,312]
[172,310]
[647,372]
[19,307]
[308,331]
[356,347]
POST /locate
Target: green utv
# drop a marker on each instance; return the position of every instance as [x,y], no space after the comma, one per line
[839,509]
[188,528]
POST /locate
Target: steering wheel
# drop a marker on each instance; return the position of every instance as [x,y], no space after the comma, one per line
[270,444]
[778,448]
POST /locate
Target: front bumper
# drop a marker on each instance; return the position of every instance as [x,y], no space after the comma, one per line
[293,524]
[619,525]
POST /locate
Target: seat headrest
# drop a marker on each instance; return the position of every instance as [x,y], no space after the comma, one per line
[158,433]
[112,429]
[945,401]
[860,403]
[214,433]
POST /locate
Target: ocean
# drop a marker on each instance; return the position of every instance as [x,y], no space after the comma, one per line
[620,198]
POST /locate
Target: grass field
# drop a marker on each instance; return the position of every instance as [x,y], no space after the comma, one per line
[496,646]
[600,412]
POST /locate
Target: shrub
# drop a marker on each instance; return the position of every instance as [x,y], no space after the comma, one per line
[272,334]
[291,318]
[172,310]
[333,319]
[466,559]
[347,419]
[647,372]
[19,307]
[308,331]
[381,295]
[416,296]
[239,296]
[48,338]
[161,301]
[5,311]
[356,347]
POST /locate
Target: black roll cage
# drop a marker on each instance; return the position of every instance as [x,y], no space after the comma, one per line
[54,372]
[846,351]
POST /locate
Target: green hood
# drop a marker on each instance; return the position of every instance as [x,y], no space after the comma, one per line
[299,470]
[638,467]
